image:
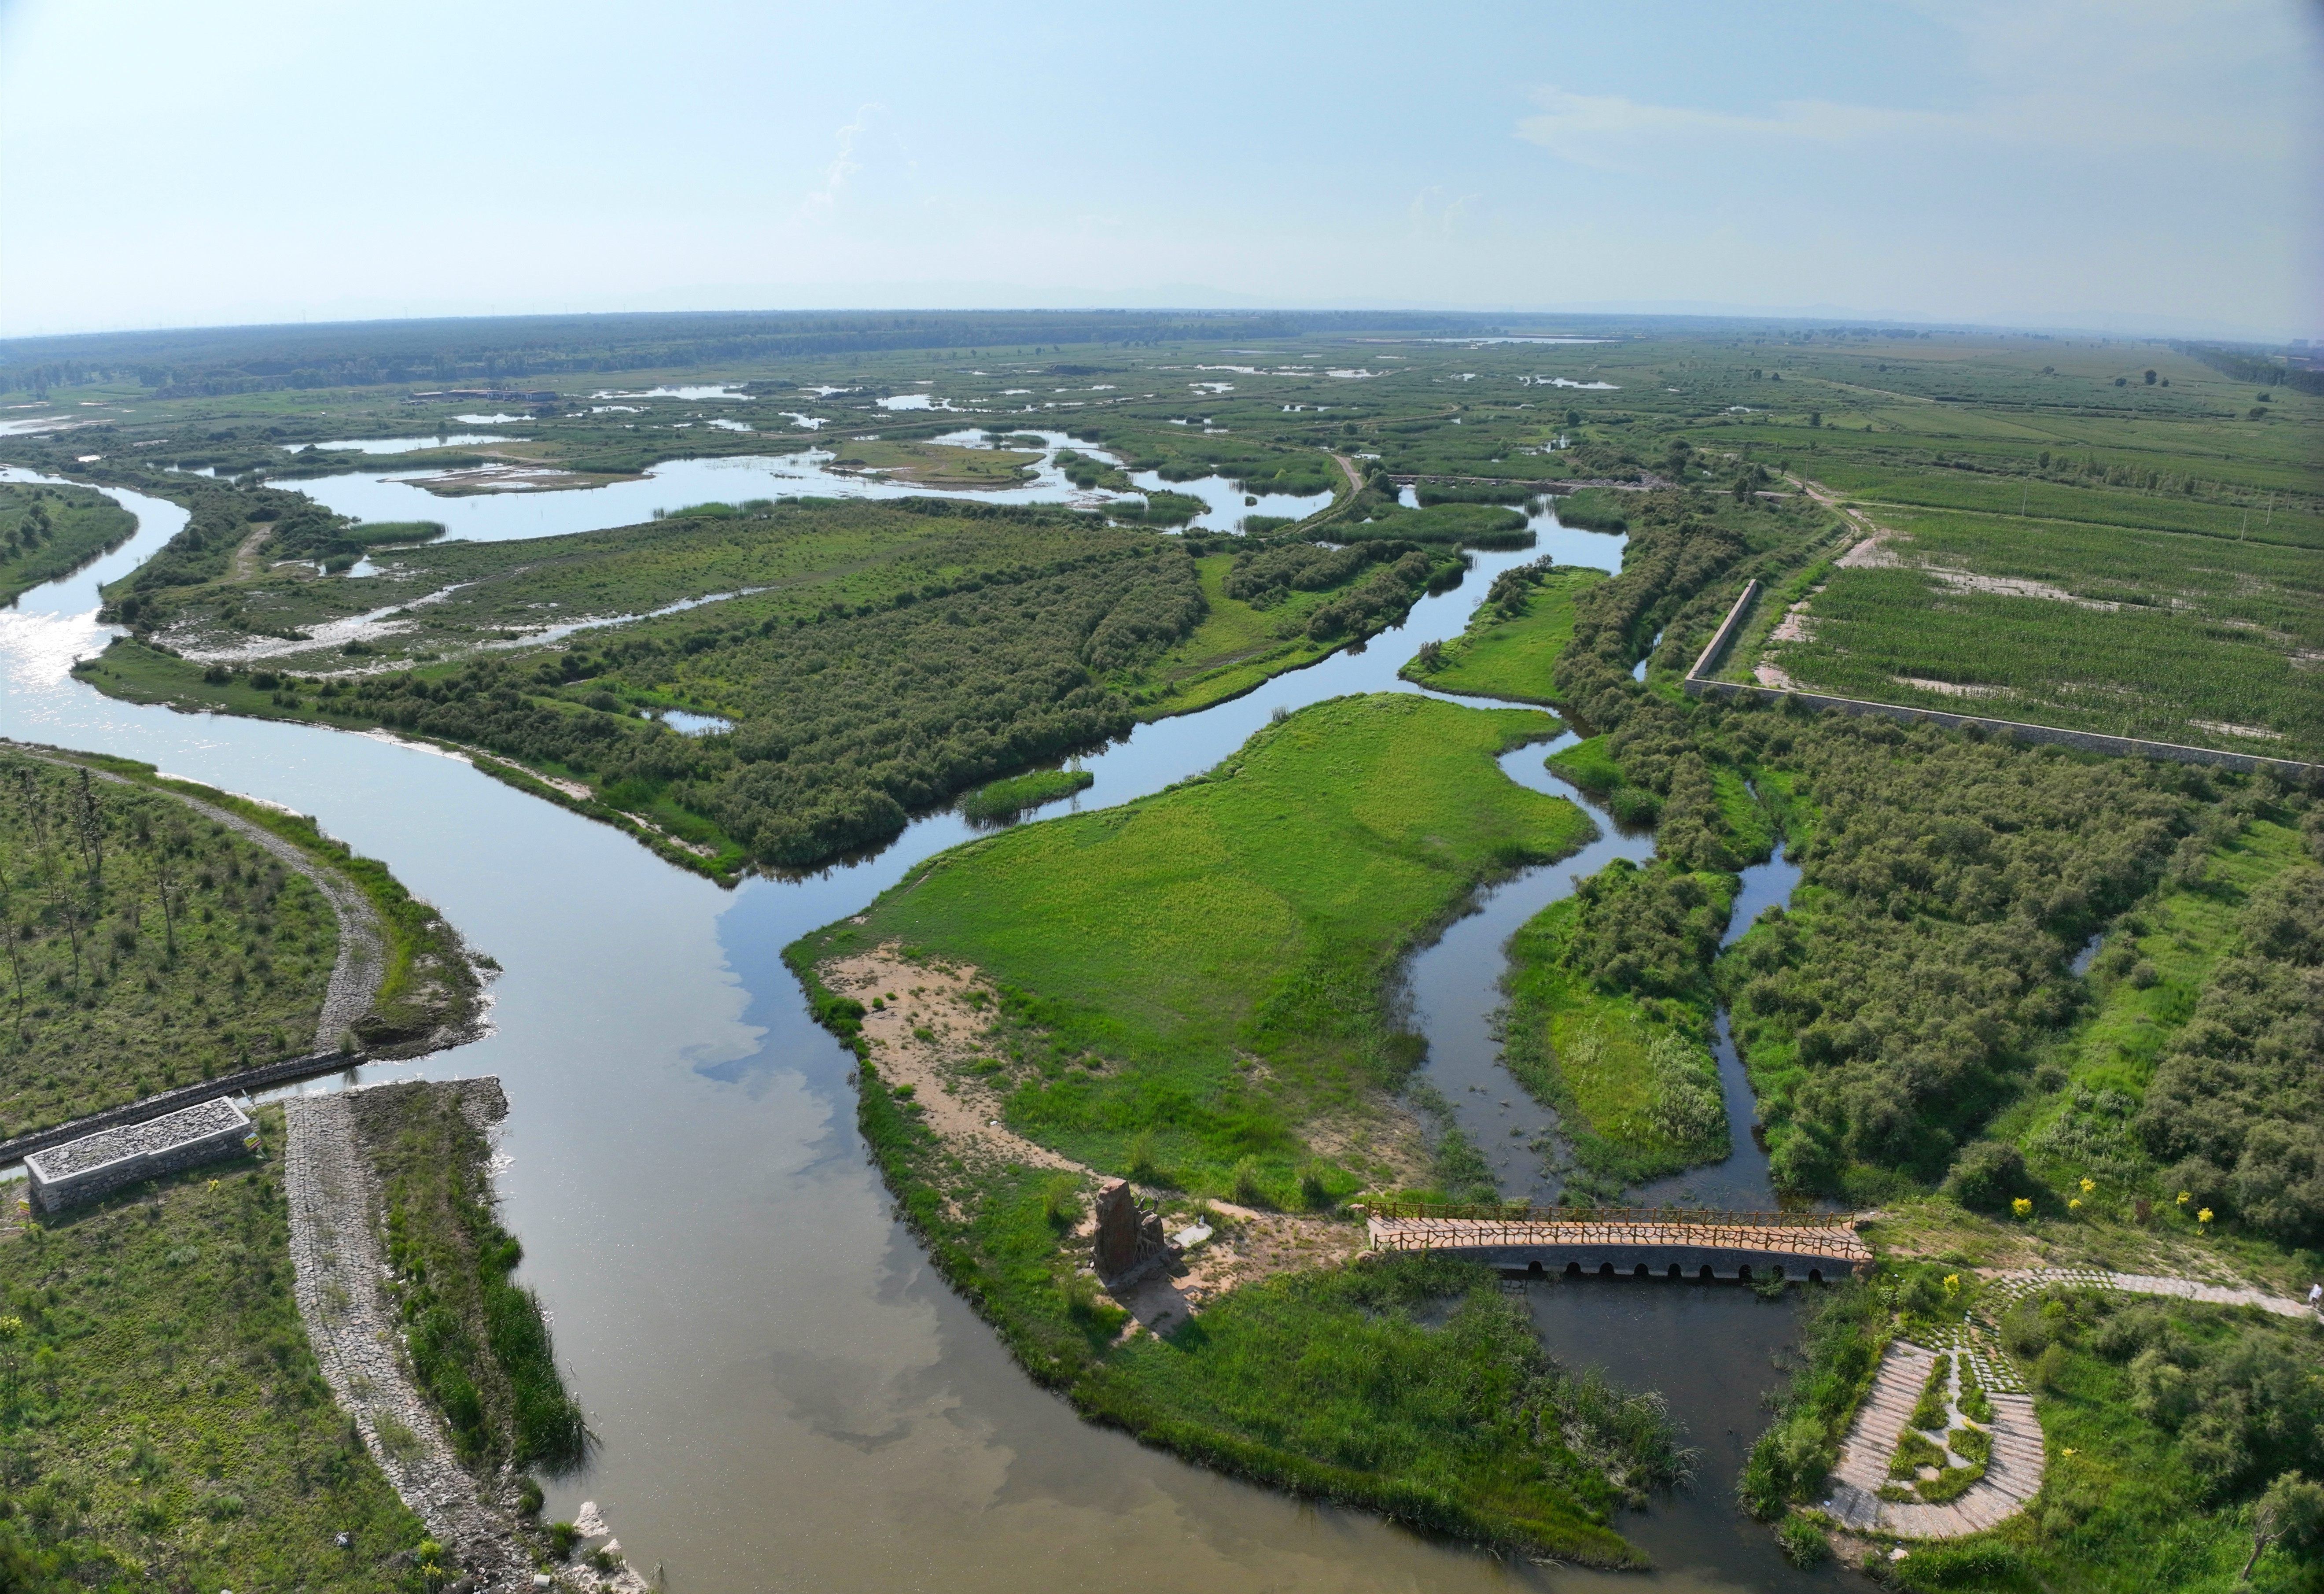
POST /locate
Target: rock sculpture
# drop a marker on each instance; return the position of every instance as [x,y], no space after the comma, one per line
[1130,1238]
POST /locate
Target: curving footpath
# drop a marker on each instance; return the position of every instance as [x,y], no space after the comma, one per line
[2011,1477]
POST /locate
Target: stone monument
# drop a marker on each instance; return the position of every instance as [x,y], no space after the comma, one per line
[1130,1243]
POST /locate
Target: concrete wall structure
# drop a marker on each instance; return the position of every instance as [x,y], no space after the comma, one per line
[97,1164]
[241,1082]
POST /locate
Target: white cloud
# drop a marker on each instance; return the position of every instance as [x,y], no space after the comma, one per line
[846,163]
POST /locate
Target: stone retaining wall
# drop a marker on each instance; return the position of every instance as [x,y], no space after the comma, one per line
[97,1164]
[241,1082]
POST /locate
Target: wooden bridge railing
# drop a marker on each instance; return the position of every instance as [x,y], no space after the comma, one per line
[1691,1217]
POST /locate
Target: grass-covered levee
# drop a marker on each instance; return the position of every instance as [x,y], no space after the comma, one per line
[1195,990]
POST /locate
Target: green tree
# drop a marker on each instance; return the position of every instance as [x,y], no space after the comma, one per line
[2290,1514]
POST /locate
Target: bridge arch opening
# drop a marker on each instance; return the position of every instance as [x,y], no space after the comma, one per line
[1640,1271]
[1673,1270]
[1815,1276]
[1744,1270]
[1779,1271]
[1706,1274]
[1533,1270]
[1605,1270]
[1574,1270]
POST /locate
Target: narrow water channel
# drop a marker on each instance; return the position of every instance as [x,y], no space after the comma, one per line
[786,1394]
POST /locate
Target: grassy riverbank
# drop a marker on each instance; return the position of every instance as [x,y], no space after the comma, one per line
[1511,647]
[479,1344]
[1190,990]
[162,1419]
[46,532]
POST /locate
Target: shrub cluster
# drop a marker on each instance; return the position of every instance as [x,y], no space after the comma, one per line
[2233,1103]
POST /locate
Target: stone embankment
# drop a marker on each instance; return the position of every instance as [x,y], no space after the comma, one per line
[96,1165]
[335,1223]
[357,1340]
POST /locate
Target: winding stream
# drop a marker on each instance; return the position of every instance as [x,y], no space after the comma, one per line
[785,1393]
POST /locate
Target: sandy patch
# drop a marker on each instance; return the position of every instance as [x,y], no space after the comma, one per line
[1773,675]
[1951,688]
[1795,626]
[924,1037]
[2229,728]
[929,1029]
[1872,553]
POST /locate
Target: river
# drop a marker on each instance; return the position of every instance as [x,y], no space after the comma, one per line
[787,1395]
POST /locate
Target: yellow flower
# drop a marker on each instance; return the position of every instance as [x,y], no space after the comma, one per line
[1952,1284]
[2204,1216]
[2067,1451]
[2089,1185]
[2074,1204]
[2184,1197]
[2022,1207]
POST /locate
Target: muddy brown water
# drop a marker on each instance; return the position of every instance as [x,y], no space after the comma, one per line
[785,1393]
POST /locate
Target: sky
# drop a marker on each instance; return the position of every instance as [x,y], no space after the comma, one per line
[2134,165]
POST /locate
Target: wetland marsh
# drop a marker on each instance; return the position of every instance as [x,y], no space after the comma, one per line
[776,1368]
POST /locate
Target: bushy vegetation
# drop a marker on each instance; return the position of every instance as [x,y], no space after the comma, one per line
[478,1342]
[2168,1423]
[896,655]
[1343,1384]
[2231,1109]
[1944,883]
[45,532]
[147,944]
[1846,1331]
[161,1415]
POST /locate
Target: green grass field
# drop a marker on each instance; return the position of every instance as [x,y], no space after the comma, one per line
[162,1418]
[1510,657]
[1253,914]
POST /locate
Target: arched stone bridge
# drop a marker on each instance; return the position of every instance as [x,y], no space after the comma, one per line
[1648,1242]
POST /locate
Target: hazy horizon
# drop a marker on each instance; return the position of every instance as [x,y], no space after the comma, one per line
[2119,169]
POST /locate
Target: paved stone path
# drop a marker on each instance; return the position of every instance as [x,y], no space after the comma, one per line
[2012,1477]
[353,1331]
[2017,1281]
